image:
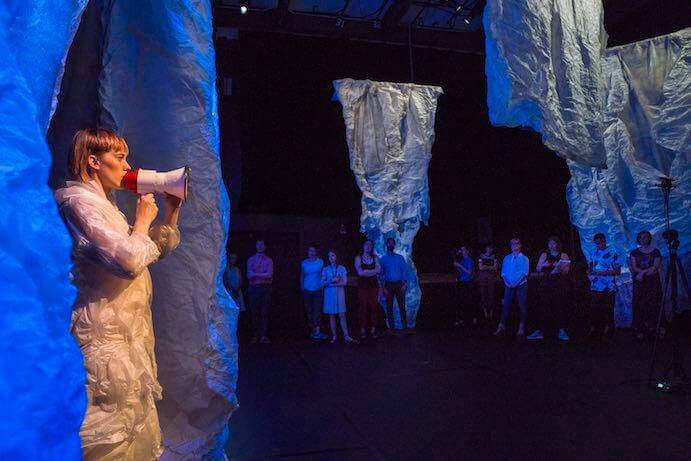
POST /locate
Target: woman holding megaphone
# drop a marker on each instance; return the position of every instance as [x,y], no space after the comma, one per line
[111,317]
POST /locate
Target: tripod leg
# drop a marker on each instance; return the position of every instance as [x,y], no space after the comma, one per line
[657,328]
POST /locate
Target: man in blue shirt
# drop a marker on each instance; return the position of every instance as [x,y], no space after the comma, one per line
[514,272]
[395,276]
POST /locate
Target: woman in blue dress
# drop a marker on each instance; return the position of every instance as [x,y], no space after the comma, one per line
[334,278]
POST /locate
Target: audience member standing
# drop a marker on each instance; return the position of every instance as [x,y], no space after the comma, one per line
[553,267]
[232,279]
[334,278]
[603,267]
[465,302]
[487,278]
[260,272]
[514,271]
[312,290]
[395,276]
[367,267]
[644,263]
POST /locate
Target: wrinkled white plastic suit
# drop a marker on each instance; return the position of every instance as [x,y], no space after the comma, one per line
[543,66]
[647,135]
[390,132]
[111,321]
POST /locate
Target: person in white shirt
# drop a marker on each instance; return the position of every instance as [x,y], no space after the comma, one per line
[312,290]
[514,272]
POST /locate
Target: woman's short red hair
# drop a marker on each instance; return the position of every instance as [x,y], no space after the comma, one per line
[94,141]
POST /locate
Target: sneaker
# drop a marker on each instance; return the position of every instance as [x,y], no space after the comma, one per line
[265,340]
[323,336]
[562,335]
[537,335]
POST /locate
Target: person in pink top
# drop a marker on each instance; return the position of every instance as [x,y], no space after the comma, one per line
[260,272]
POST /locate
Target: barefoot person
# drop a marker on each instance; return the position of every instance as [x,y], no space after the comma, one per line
[111,317]
[334,279]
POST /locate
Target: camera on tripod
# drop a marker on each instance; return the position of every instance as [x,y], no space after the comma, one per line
[671,236]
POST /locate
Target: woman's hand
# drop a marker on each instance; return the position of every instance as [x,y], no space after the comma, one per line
[146,213]
[172,202]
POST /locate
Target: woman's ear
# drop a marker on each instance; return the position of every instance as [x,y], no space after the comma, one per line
[93,162]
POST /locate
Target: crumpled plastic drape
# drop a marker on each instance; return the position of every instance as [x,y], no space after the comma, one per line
[41,367]
[543,66]
[158,90]
[647,135]
[390,132]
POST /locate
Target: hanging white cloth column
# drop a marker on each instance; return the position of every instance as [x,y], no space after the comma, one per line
[626,108]
[390,132]
[544,71]
[647,135]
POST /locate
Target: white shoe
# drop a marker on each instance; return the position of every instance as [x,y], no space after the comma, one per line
[562,335]
[536,335]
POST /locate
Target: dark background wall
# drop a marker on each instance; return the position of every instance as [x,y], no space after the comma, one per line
[294,158]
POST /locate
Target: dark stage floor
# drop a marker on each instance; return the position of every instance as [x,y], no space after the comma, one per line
[456,395]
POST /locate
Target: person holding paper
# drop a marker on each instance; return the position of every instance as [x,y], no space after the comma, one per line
[553,267]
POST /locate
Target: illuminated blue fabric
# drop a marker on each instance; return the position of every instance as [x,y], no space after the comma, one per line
[626,107]
[158,90]
[41,371]
[647,135]
[543,66]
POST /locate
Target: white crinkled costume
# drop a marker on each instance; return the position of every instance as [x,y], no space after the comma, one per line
[111,321]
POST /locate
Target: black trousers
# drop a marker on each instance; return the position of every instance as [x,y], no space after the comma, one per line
[259,299]
[601,310]
[395,290]
[553,290]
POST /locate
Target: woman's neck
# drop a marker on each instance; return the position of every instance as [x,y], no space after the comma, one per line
[106,190]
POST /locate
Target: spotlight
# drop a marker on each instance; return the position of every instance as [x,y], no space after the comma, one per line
[476,10]
[340,22]
[243,9]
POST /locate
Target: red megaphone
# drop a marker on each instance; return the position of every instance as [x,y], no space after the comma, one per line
[142,181]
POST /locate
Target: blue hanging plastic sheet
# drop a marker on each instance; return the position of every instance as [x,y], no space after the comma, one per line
[41,371]
[543,66]
[647,136]
[158,90]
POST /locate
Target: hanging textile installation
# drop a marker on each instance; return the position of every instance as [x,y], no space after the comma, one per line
[627,108]
[41,368]
[390,132]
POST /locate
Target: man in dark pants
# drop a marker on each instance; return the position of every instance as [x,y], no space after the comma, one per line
[260,272]
[603,267]
[395,276]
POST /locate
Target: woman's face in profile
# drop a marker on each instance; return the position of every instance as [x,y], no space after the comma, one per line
[111,168]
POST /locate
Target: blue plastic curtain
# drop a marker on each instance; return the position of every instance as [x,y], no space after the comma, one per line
[41,372]
[626,108]
[158,90]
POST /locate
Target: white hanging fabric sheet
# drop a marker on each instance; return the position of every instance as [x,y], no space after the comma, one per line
[544,71]
[647,124]
[390,132]
[158,90]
